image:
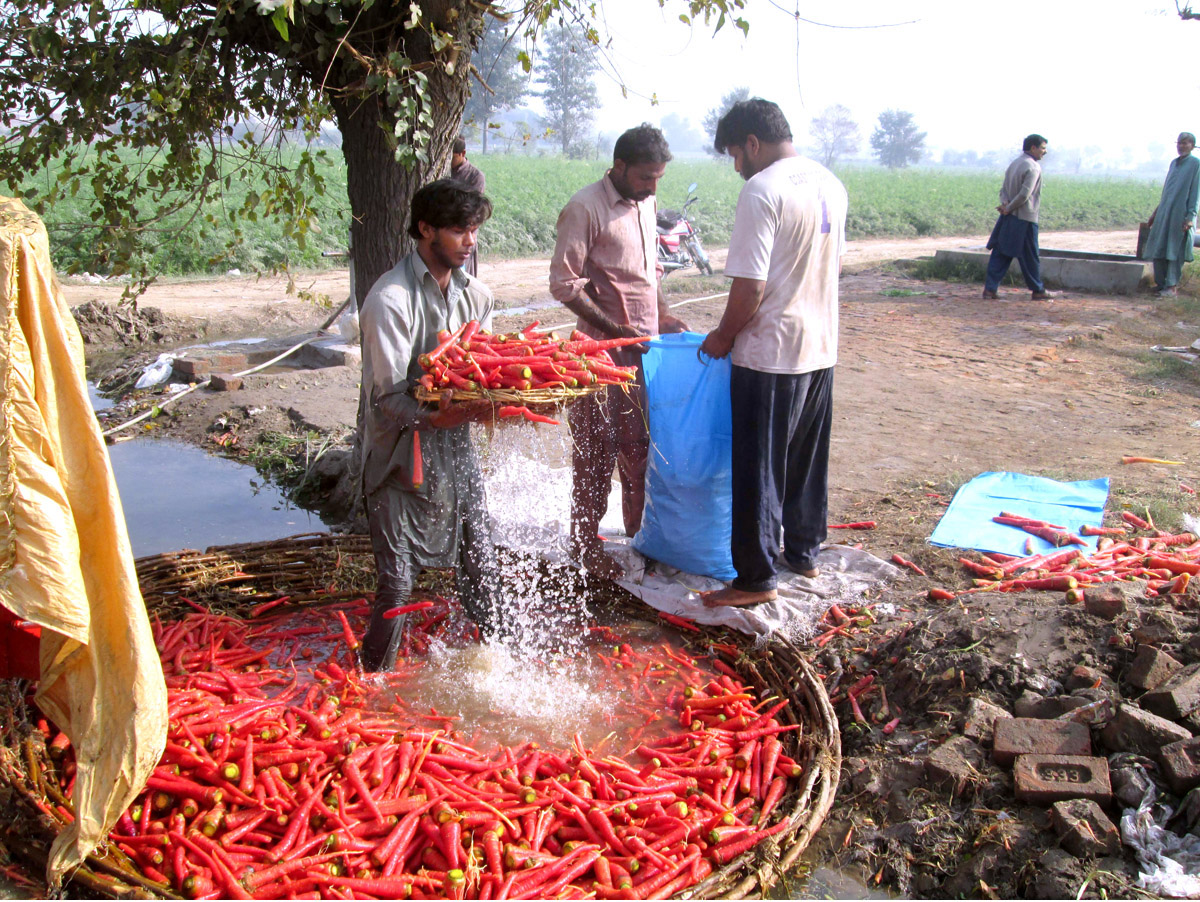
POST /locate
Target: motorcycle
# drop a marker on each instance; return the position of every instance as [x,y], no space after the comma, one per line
[678,241]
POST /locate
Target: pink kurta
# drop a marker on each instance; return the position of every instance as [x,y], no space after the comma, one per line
[607,247]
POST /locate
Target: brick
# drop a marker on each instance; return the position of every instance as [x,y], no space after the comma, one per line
[1084,829]
[1177,696]
[1096,712]
[1025,735]
[1135,730]
[1031,704]
[1082,677]
[980,720]
[1150,668]
[191,366]
[1181,764]
[954,764]
[228,362]
[224,382]
[1045,779]
[1104,605]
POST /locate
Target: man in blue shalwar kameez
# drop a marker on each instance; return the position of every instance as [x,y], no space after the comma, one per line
[1016,231]
[1173,222]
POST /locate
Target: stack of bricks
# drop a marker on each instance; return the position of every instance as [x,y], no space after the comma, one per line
[1057,745]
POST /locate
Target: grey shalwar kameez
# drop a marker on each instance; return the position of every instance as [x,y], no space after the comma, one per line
[1168,245]
[443,522]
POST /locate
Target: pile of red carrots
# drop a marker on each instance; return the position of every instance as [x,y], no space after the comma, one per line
[1166,562]
[471,359]
[283,778]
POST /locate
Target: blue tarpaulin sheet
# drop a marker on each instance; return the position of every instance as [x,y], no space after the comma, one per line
[967,522]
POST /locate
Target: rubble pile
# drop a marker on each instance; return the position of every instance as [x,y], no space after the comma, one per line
[1051,749]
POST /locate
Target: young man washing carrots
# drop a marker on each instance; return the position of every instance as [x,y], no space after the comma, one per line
[605,270]
[780,329]
[420,475]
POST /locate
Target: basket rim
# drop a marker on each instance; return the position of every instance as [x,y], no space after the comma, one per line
[513,396]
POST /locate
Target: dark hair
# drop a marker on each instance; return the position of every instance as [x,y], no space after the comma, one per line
[448,204]
[459,145]
[758,117]
[1032,141]
[644,144]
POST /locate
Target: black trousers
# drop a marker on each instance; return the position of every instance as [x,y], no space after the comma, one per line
[781,425]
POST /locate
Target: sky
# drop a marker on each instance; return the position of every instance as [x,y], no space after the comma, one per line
[1119,76]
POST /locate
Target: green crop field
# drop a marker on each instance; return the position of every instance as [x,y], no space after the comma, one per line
[528,193]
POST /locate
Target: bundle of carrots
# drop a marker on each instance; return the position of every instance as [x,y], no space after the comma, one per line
[1166,561]
[287,781]
[471,359]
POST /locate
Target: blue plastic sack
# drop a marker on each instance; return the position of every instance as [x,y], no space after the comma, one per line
[689,492]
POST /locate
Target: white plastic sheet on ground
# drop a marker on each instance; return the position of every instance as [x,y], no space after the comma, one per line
[846,575]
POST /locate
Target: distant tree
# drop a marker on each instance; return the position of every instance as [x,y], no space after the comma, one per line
[835,132]
[713,116]
[498,62]
[896,141]
[681,133]
[567,67]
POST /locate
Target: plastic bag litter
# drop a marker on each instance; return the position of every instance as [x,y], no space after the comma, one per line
[1170,863]
[347,324]
[156,372]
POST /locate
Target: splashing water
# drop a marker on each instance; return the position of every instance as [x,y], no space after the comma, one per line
[530,680]
[505,698]
[528,483]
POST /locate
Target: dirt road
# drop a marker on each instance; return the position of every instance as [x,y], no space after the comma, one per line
[274,299]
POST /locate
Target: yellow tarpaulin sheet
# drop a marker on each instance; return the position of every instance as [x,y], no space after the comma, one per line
[65,558]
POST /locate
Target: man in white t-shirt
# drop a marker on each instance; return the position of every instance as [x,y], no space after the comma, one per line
[780,326]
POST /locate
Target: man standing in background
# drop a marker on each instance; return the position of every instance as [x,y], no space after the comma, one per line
[470,176]
[1016,231]
[1173,222]
[781,328]
[605,270]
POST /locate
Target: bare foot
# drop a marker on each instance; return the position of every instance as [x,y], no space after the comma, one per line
[811,572]
[597,562]
[736,597]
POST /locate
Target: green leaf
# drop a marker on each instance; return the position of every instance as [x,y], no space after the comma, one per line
[279,19]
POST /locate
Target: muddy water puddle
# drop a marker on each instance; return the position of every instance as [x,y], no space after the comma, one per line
[178,496]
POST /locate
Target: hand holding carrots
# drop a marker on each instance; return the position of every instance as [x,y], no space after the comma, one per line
[450,414]
[633,332]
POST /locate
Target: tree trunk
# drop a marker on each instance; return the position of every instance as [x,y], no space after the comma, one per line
[379,188]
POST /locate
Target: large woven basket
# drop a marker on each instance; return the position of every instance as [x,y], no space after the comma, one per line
[317,569]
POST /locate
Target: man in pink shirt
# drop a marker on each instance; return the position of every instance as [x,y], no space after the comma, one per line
[605,270]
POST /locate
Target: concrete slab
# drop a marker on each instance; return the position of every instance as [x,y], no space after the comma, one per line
[330,352]
[1070,270]
[236,356]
